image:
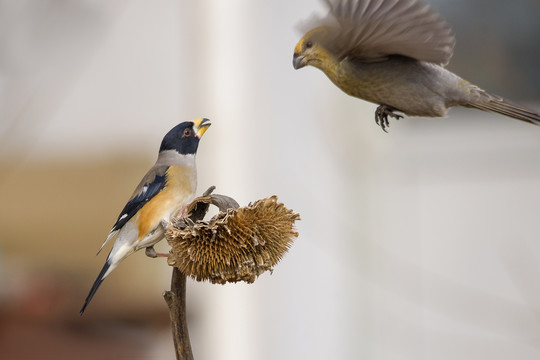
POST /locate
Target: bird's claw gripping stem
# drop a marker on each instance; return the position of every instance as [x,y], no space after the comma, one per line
[164,224]
[381,116]
[151,252]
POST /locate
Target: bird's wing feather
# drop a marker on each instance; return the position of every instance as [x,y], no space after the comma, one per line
[151,184]
[373,29]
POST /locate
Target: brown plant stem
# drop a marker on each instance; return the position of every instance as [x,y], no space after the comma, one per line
[176,300]
[176,297]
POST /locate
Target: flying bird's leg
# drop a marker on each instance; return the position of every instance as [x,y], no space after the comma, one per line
[151,252]
[381,116]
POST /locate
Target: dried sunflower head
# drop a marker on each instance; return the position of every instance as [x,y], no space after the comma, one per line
[238,244]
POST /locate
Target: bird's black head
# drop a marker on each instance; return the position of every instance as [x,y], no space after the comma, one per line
[184,138]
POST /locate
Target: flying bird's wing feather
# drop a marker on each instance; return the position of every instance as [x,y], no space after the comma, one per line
[373,29]
[151,184]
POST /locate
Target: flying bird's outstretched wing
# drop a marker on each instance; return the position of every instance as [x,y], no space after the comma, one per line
[371,30]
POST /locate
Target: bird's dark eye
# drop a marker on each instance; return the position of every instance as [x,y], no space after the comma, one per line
[187,132]
[309,44]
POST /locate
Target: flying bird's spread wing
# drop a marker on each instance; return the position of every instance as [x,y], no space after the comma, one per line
[370,30]
[151,184]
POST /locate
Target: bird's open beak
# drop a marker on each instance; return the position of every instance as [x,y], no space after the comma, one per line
[299,61]
[200,126]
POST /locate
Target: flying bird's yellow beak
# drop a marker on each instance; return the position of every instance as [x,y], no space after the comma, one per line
[200,126]
[299,61]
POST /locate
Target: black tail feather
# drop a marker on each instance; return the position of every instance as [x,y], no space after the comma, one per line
[96,285]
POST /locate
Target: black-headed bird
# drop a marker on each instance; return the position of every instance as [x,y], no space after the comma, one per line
[393,53]
[166,189]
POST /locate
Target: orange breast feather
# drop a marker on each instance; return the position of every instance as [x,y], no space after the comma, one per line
[179,189]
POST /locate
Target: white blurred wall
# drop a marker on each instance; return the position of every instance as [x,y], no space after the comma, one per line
[417,244]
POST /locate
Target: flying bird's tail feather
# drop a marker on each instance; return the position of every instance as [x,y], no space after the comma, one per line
[502,106]
[97,283]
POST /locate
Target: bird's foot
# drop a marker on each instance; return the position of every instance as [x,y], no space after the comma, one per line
[164,224]
[182,213]
[151,252]
[381,116]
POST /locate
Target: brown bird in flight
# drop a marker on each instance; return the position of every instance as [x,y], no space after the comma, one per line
[393,53]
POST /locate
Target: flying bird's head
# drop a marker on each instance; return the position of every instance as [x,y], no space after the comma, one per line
[310,49]
[184,138]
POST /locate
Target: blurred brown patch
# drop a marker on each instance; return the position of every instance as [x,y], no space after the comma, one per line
[54,217]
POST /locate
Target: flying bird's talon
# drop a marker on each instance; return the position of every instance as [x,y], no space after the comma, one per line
[381,116]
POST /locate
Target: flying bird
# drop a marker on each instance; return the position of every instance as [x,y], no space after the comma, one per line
[393,53]
[166,189]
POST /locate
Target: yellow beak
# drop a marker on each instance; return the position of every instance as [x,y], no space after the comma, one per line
[200,126]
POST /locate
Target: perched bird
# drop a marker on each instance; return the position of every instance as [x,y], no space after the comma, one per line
[393,53]
[166,188]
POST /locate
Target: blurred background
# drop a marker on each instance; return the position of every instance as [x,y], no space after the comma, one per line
[418,244]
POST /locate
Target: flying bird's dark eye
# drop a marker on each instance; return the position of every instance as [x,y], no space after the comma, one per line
[309,44]
[187,132]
